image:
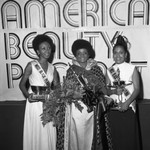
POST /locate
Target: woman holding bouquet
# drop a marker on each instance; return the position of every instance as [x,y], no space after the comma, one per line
[87,127]
[123,78]
[40,73]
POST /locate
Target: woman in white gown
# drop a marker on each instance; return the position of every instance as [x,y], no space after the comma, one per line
[35,135]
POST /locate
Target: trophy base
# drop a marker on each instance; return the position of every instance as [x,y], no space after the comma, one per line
[40,93]
[39,97]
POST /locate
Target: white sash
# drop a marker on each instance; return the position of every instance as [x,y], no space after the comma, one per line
[41,71]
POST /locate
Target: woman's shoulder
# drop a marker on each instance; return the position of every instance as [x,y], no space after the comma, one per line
[28,67]
[123,65]
[129,65]
[30,63]
[97,68]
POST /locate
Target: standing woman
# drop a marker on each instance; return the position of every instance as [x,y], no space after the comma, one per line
[85,132]
[123,78]
[40,73]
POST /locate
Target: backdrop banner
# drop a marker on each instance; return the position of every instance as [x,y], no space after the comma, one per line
[99,22]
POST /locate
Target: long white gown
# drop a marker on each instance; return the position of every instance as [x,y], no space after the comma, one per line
[36,136]
[81,129]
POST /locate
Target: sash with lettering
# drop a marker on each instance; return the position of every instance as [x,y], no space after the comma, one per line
[41,91]
[116,76]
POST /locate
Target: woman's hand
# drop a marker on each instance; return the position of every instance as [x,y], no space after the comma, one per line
[109,100]
[79,94]
[30,98]
[123,106]
[119,90]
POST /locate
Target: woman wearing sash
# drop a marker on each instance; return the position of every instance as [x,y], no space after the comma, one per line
[123,80]
[86,128]
[41,74]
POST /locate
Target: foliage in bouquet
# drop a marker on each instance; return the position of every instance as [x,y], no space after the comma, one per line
[93,91]
[93,82]
[58,99]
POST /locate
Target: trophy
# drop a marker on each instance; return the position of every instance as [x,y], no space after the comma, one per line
[40,93]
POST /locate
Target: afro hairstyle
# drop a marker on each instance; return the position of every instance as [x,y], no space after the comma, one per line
[81,43]
[40,38]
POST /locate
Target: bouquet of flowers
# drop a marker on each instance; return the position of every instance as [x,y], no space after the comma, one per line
[59,98]
[92,86]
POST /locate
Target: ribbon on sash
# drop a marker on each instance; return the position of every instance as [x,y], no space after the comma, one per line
[41,71]
[114,73]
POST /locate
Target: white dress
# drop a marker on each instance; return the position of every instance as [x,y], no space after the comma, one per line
[81,129]
[126,72]
[36,136]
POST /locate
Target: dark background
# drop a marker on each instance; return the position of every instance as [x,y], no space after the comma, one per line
[12,119]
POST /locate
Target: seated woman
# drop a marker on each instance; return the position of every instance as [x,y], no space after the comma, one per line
[123,79]
[87,128]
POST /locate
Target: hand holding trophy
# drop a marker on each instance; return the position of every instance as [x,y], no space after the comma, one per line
[40,93]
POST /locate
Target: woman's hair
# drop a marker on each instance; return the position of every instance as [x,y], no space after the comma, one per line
[40,39]
[123,42]
[81,43]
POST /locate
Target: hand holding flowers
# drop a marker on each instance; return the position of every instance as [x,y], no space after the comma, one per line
[79,94]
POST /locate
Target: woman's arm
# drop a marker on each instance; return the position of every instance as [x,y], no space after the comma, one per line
[136,85]
[25,77]
[56,79]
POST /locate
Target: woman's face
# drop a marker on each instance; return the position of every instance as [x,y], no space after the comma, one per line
[119,54]
[44,50]
[82,55]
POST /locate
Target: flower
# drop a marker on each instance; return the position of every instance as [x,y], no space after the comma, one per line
[57,100]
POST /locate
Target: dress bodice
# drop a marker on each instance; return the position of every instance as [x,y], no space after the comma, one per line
[125,73]
[36,78]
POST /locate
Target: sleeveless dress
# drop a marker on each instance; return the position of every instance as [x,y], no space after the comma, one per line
[126,71]
[36,136]
[124,125]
